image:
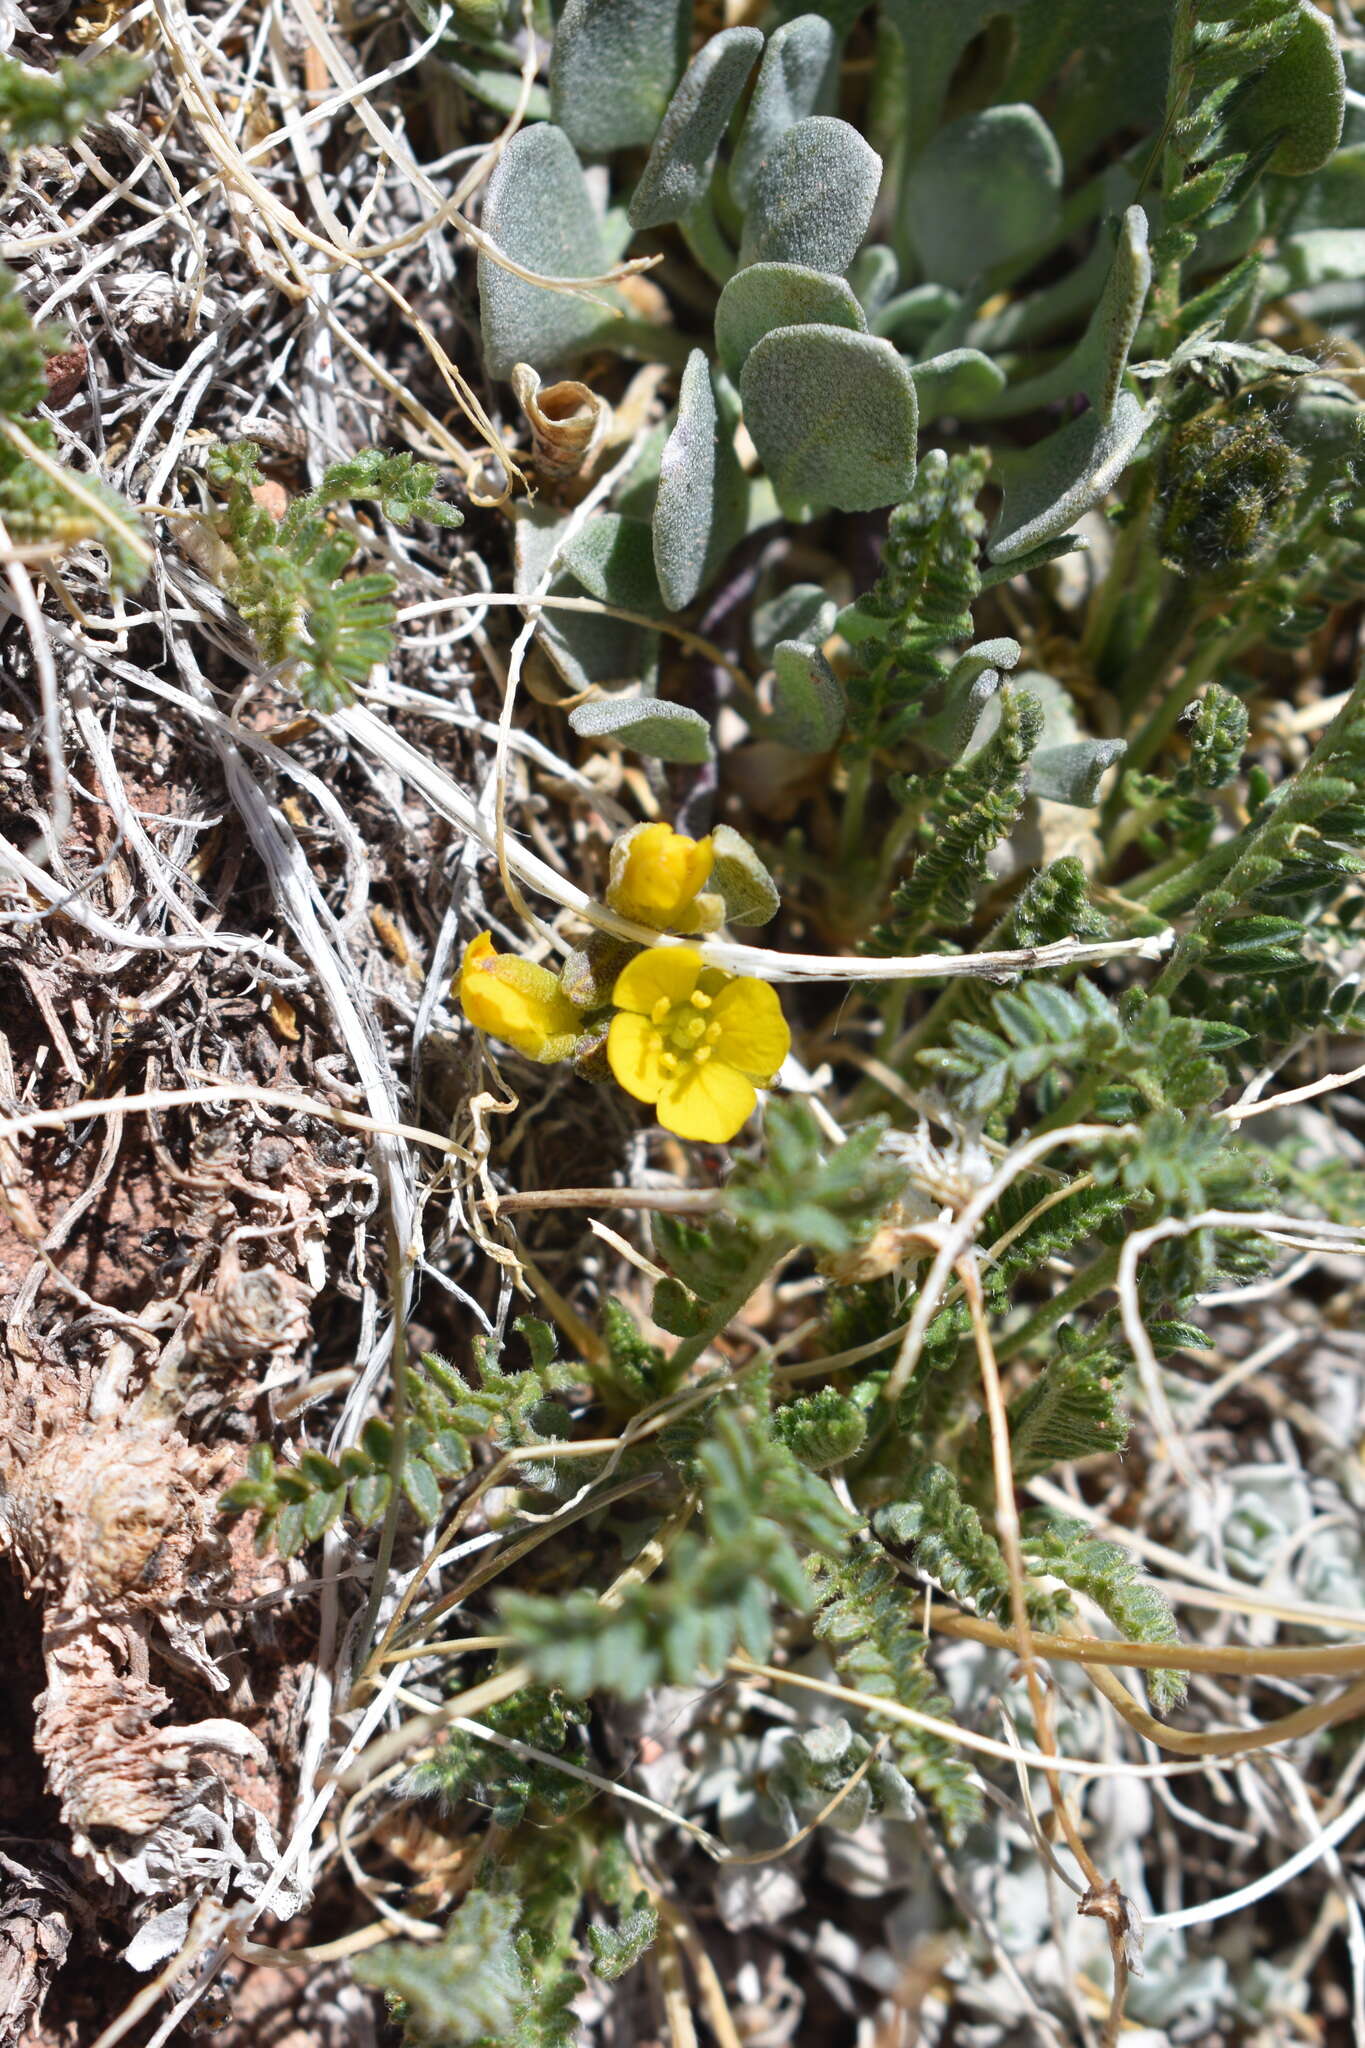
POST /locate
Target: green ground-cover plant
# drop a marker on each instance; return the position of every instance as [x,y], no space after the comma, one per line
[1047,303]
[45,506]
[287,577]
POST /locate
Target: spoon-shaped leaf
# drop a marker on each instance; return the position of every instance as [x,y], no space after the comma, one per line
[812,197]
[833,416]
[675,178]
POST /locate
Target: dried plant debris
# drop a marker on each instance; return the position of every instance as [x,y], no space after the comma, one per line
[682,790]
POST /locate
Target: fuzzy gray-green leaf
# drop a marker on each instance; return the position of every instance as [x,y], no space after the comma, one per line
[833,416]
[747,890]
[538,211]
[613,558]
[803,611]
[986,191]
[612,68]
[808,699]
[812,197]
[795,80]
[1072,774]
[666,732]
[585,647]
[961,380]
[1300,96]
[1054,482]
[699,512]
[768,295]
[874,274]
[1097,363]
[675,178]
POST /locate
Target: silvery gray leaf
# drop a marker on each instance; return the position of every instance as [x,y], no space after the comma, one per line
[985,191]
[585,647]
[1096,365]
[538,210]
[1300,98]
[768,295]
[1072,774]
[911,317]
[678,171]
[613,558]
[812,197]
[874,274]
[961,380]
[700,509]
[803,611]
[797,78]
[612,68]
[666,732]
[744,884]
[833,416]
[1052,483]
[808,699]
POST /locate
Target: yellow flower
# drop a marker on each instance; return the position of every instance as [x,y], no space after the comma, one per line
[693,1041]
[656,876]
[517,1001]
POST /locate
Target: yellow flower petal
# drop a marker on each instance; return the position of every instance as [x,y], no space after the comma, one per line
[634,1055]
[516,1001]
[661,973]
[656,872]
[753,1032]
[709,1102]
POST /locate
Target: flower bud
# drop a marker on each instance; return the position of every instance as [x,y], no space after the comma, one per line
[657,875]
[516,1001]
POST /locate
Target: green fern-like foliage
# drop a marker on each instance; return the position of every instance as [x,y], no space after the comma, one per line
[616,1949]
[40,510]
[807,1191]
[1055,904]
[513,1788]
[959,818]
[38,507]
[23,351]
[296,1503]
[40,109]
[637,1372]
[1305,821]
[1217,729]
[326,628]
[1073,1409]
[1139,1049]
[921,603]
[469,1987]
[803,1191]
[863,1620]
[821,1429]
[760,1510]
[1106,1574]
[941,1534]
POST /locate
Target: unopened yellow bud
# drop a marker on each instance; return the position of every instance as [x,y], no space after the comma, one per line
[516,1001]
[657,875]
